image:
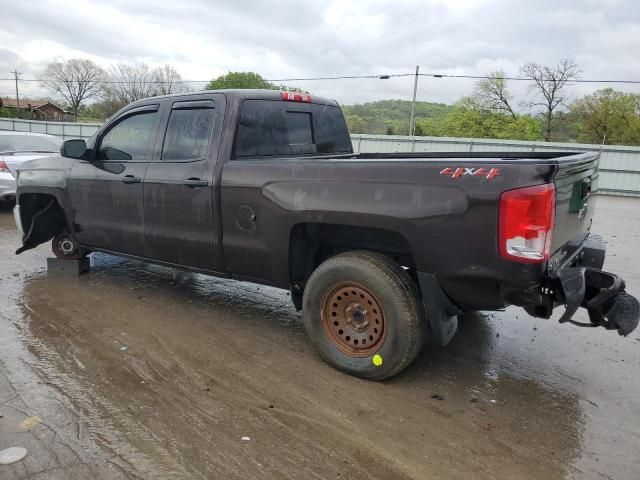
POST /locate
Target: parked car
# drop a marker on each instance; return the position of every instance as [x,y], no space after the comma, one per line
[380,251]
[18,147]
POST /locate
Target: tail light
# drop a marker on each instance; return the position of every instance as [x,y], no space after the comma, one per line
[3,167]
[295,97]
[526,223]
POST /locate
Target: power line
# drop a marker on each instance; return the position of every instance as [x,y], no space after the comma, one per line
[358,77]
[525,79]
[137,82]
[444,75]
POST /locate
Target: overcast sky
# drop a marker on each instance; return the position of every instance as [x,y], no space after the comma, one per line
[278,39]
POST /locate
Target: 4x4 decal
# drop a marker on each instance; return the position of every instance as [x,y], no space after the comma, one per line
[488,173]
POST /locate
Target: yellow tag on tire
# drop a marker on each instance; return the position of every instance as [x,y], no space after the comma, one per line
[377,360]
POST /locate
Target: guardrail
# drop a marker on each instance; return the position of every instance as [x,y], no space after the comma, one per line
[619,166]
[66,130]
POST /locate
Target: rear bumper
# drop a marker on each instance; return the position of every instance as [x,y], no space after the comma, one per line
[580,283]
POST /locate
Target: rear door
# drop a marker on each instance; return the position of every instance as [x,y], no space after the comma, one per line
[106,191]
[271,138]
[179,191]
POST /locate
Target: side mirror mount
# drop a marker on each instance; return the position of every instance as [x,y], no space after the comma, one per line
[75,148]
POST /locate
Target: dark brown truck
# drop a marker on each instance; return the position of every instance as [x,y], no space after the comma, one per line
[381,252]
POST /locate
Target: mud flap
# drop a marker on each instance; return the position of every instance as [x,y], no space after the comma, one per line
[442,314]
[603,295]
[45,224]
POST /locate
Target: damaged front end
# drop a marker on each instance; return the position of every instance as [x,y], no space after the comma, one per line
[583,284]
[39,218]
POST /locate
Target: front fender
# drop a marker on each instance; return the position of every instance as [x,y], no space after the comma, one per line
[42,200]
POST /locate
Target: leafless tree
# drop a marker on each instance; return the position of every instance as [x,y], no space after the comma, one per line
[549,85]
[128,82]
[75,80]
[492,94]
[168,80]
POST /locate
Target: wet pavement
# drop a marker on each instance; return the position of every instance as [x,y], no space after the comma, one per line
[137,371]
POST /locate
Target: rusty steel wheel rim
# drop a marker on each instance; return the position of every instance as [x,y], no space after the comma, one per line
[353,319]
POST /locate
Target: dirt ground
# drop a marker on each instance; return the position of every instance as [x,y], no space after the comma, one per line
[137,371]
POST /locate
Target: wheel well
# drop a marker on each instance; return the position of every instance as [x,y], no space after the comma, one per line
[32,203]
[42,218]
[312,243]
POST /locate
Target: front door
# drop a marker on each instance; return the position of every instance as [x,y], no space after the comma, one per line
[178,186]
[106,191]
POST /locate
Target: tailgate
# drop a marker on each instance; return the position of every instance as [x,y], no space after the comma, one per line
[575,180]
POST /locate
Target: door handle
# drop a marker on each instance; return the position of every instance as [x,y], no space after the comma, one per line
[128,179]
[195,183]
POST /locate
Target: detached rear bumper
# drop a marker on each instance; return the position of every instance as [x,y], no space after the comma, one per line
[580,283]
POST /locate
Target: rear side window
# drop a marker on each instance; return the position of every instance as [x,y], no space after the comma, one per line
[276,128]
[188,133]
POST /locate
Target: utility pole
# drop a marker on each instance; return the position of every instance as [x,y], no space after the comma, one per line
[16,74]
[412,121]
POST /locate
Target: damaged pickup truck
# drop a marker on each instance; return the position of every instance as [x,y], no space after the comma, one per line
[381,252]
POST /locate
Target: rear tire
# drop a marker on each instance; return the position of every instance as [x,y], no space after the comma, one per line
[364,315]
[66,247]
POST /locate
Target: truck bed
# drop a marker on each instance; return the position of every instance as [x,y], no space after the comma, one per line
[450,223]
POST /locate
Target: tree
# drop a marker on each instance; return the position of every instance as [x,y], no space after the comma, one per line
[128,82]
[240,80]
[607,116]
[492,94]
[549,83]
[15,113]
[470,119]
[249,80]
[355,124]
[75,80]
[168,80]
[385,116]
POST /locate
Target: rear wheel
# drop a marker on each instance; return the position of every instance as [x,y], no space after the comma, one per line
[363,314]
[65,246]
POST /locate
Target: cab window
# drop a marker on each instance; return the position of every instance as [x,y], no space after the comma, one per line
[129,138]
[268,128]
[188,133]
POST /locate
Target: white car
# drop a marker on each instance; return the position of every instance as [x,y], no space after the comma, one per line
[18,147]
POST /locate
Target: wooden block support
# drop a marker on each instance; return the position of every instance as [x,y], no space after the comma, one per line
[61,267]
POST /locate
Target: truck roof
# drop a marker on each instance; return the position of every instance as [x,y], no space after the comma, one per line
[247,93]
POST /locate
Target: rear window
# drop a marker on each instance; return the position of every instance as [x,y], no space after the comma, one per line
[299,130]
[276,128]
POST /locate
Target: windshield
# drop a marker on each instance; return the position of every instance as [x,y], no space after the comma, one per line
[29,143]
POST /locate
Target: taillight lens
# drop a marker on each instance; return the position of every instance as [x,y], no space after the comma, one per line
[526,223]
[3,167]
